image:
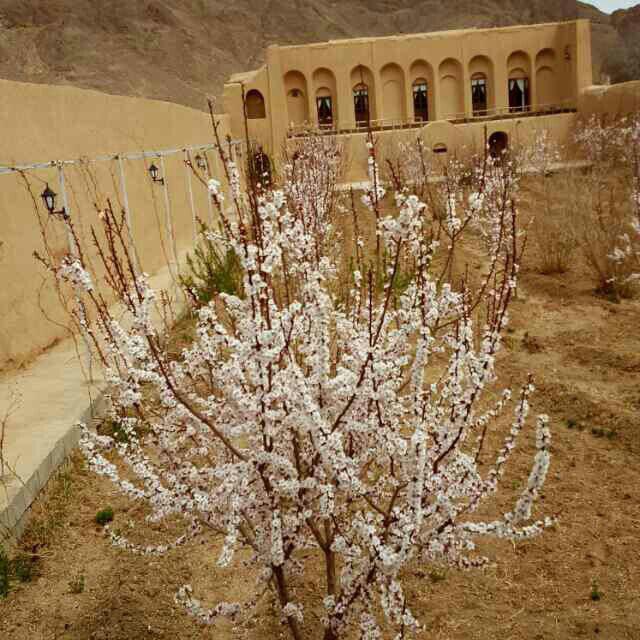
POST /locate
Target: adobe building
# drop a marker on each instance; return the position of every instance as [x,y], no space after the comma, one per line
[449,84]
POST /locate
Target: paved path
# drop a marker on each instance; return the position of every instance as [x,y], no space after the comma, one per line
[48,399]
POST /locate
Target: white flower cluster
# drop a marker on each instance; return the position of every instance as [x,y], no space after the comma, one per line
[72,270]
[374,192]
[541,155]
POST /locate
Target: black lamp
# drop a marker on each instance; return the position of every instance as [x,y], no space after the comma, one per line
[153,172]
[49,198]
[201,163]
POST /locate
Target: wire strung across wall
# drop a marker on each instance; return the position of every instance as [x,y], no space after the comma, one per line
[235,146]
[136,155]
[172,261]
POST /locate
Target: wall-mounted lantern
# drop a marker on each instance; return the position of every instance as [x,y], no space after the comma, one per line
[153,172]
[201,163]
[49,198]
[567,53]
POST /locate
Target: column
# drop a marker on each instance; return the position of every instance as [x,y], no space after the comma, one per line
[435,113]
[345,115]
[468,102]
[533,83]
[408,90]
[501,88]
[311,99]
[378,113]
[277,102]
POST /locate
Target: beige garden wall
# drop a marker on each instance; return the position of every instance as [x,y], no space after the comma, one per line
[42,123]
[612,100]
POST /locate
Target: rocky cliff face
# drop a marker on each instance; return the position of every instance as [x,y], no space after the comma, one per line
[616,43]
[183,50]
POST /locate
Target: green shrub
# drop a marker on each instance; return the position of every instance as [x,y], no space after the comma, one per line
[209,272]
[23,567]
[19,568]
[104,516]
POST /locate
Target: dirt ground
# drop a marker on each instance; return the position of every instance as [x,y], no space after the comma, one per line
[578,580]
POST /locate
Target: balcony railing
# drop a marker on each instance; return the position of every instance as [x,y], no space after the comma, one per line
[390,124]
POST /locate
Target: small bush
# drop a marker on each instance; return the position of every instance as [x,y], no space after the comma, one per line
[23,567]
[437,575]
[19,568]
[76,584]
[104,516]
[555,242]
[211,271]
[604,205]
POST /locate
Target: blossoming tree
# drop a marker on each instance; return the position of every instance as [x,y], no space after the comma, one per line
[612,234]
[356,425]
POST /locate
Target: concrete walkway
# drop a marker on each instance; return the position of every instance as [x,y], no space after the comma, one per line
[47,400]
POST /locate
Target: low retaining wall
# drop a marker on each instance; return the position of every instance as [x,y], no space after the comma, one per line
[610,100]
[457,138]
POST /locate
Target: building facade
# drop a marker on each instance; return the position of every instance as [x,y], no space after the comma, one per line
[452,84]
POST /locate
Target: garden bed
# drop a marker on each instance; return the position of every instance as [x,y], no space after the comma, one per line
[577,580]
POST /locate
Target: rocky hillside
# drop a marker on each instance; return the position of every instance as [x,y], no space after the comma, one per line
[182,50]
[616,43]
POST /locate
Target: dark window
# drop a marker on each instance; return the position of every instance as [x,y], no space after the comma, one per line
[420,101]
[361,104]
[325,110]
[479,96]
[519,94]
[498,144]
[254,105]
[440,148]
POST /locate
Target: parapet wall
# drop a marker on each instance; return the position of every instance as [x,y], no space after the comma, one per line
[41,123]
[454,139]
[610,100]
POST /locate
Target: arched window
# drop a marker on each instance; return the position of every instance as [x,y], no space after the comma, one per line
[420,100]
[326,95]
[479,94]
[519,94]
[498,144]
[297,106]
[254,104]
[483,99]
[295,84]
[361,104]
[324,106]
[519,69]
